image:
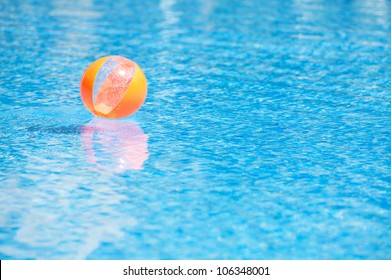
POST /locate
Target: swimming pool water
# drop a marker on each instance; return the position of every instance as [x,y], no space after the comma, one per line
[265,133]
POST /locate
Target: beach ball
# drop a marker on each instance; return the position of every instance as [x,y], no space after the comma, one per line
[113,87]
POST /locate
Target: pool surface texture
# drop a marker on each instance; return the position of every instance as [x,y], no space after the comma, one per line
[265,133]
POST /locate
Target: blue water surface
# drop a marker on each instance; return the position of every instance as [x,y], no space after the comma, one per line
[265,134]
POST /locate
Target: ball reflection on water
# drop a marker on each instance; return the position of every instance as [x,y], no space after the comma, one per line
[115,146]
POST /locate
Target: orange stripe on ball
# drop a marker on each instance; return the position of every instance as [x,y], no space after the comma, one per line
[87,82]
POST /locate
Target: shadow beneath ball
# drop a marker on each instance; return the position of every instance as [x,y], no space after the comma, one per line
[68,129]
[113,146]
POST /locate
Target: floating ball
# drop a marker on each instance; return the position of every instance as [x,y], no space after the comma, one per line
[113,87]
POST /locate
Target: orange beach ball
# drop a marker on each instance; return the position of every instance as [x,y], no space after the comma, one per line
[113,87]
